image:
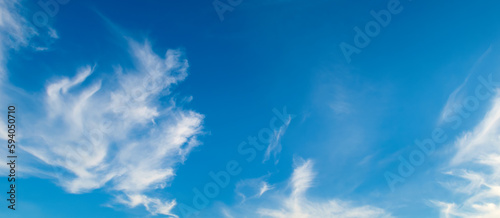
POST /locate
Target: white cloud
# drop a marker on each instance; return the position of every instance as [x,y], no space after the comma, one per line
[296,203]
[457,96]
[15,30]
[153,205]
[475,170]
[14,33]
[3,152]
[118,135]
[53,33]
[226,213]
[274,146]
[109,134]
[479,144]
[264,187]
[252,188]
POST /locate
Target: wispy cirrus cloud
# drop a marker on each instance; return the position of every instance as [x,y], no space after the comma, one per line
[252,188]
[296,204]
[474,170]
[457,96]
[154,205]
[15,31]
[14,34]
[105,133]
[274,146]
[118,135]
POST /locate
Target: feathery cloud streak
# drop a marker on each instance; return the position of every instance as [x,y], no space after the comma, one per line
[475,170]
[118,136]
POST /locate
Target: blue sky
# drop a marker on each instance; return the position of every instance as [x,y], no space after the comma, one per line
[280,108]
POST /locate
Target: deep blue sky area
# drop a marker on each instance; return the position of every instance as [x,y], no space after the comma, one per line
[342,125]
